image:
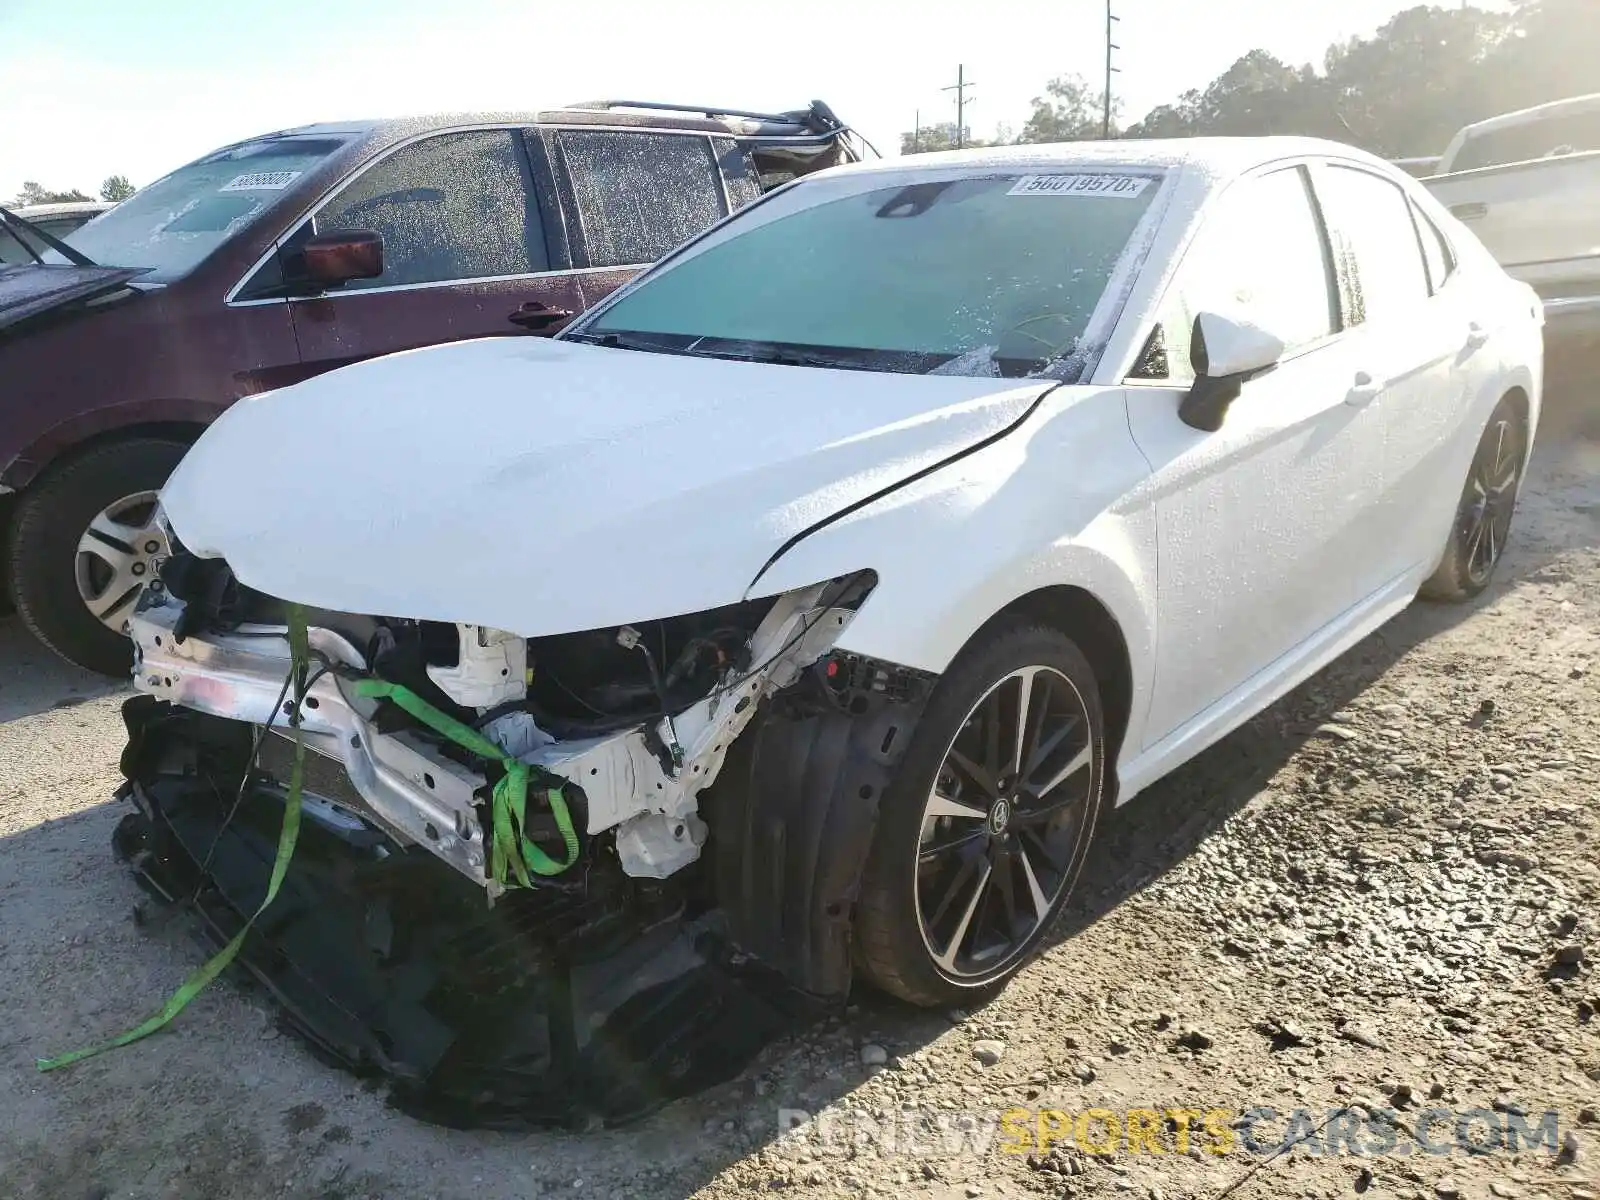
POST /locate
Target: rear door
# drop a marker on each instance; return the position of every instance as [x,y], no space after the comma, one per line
[464,247]
[1416,339]
[633,196]
[1265,527]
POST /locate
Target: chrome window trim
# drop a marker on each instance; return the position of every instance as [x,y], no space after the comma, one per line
[437,283]
[230,298]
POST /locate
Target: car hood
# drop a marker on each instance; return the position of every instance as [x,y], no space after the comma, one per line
[546,486]
[26,291]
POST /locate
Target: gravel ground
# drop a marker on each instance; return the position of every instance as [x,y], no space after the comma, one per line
[1364,897]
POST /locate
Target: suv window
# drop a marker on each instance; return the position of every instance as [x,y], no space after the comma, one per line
[1375,243]
[1260,254]
[1549,138]
[453,206]
[640,195]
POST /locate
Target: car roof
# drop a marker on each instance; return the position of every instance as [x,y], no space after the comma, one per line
[71,208]
[1577,105]
[1219,157]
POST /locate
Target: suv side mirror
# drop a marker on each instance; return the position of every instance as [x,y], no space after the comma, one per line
[334,258]
[1225,352]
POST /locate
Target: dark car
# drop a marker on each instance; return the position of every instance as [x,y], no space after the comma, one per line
[293,253]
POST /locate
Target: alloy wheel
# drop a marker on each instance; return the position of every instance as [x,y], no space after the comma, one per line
[1490,499]
[118,556]
[1004,826]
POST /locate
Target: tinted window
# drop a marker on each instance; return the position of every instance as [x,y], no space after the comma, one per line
[1259,254]
[455,206]
[640,195]
[1548,138]
[974,276]
[178,220]
[1376,244]
[1436,251]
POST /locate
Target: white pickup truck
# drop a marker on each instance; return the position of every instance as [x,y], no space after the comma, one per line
[1528,183]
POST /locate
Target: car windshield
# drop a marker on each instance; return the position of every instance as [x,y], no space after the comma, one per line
[170,226]
[993,275]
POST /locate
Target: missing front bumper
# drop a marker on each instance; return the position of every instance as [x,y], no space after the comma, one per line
[558,1006]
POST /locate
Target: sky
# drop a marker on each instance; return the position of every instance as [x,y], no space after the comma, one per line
[91,88]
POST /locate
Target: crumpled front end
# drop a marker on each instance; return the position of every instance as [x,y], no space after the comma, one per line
[710,769]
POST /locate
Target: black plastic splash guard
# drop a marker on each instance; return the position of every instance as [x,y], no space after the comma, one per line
[387,963]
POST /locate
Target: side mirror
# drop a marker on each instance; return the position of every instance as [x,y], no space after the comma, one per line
[1225,353]
[334,258]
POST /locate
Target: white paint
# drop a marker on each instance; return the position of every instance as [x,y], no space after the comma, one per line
[545,487]
[1237,345]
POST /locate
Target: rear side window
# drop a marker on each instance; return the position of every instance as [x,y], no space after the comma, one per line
[1375,244]
[640,195]
[1259,254]
[1436,251]
[454,206]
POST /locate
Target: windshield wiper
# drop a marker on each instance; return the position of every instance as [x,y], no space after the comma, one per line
[18,225]
[621,341]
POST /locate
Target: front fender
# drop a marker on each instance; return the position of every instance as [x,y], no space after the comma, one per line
[1041,507]
[131,416]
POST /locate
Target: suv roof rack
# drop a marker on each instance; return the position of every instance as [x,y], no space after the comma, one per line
[817,117]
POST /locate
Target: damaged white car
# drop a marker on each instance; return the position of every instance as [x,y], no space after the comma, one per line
[794,615]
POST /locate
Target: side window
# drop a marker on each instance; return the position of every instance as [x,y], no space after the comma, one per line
[640,195]
[454,206]
[1436,251]
[1260,254]
[1375,244]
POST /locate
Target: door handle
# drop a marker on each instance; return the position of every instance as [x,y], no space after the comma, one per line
[1469,212]
[1364,392]
[540,318]
[1477,336]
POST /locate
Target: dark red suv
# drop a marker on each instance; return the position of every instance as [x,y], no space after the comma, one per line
[297,252]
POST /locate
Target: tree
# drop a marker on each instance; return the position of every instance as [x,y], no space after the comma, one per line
[116,189]
[1069,111]
[37,193]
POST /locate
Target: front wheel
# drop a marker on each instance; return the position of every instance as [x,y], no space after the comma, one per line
[1483,517]
[85,544]
[986,827]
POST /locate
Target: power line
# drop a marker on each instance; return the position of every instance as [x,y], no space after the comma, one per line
[960,87]
[1111,46]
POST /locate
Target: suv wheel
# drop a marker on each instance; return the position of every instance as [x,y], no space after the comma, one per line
[84,545]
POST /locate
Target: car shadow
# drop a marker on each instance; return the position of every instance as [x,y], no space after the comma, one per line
[34,680]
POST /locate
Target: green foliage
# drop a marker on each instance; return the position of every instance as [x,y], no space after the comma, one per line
[116,189]
[36,193]
[1403,92]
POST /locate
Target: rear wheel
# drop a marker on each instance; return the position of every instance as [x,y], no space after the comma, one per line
[985,829]
[1483,517]
[84,544]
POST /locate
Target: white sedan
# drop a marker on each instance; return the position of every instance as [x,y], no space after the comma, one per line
[840,570]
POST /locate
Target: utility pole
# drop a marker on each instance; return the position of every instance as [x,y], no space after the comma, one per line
[960,89]
[916,134]
[1111,20]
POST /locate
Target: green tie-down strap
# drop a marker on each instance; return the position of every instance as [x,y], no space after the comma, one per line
[511,854]
[288,835]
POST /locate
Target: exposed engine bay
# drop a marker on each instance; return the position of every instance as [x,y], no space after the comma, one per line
[718,772]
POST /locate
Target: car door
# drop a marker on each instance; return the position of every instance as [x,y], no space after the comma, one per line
[1415,340]
[636,195]
[1265,534]
[464,247]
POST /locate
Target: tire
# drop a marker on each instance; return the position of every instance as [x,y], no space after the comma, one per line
[917,857]
[1482,522]
[46,566]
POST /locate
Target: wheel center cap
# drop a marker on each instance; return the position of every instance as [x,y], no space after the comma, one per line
[999,817]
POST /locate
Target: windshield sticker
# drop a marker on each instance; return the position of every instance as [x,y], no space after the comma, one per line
[260,181]
[1123,187]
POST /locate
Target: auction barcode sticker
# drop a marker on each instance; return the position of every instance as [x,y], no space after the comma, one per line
[1125,187]
[260,181]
